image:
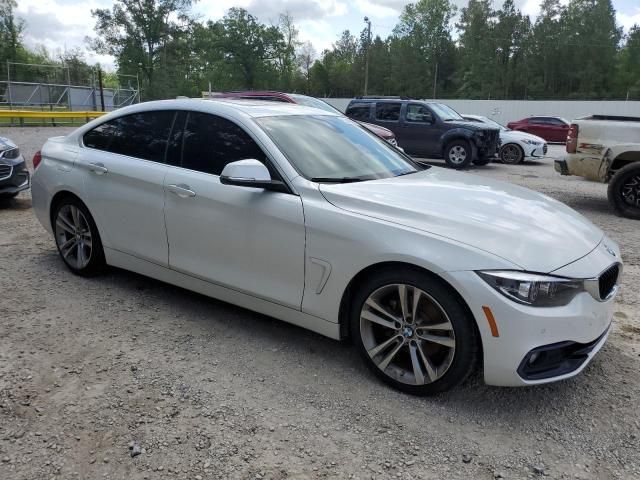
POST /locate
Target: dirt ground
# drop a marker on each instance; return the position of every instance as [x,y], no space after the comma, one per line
[92,370]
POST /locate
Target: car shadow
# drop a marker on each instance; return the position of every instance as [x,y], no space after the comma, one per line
[17,203]
[339,364]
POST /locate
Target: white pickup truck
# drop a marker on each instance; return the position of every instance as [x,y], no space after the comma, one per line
[606,148]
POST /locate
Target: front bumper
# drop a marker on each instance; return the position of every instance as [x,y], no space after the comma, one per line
[581,327]
[538,151]
[14,176]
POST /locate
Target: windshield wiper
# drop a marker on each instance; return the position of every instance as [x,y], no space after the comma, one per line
[336,179]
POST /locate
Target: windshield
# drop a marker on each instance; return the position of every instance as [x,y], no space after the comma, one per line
[314,102]
[445,112]
[331,148]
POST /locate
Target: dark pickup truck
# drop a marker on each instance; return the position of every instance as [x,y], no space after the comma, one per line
[429,129]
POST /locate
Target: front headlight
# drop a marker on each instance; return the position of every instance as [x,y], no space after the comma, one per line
[531,142]
[536,290]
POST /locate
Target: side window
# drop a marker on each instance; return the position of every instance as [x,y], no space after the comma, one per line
[556,121]
[210,142]
[174,146]
[538,121]
[388,111]
[359,111]
[141,135]
[419,113]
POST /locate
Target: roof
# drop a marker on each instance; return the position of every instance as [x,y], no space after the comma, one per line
[232,107]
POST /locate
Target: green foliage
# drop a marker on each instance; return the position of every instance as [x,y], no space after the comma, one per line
[574,50]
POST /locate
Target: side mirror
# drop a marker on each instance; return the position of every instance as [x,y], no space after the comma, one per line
[250,173]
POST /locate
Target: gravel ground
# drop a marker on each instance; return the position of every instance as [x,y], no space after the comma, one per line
[123,377]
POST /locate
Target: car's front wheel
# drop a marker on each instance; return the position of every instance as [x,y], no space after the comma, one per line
[624,191]
[511,154]
[458,154]
[413,332]
[77,237]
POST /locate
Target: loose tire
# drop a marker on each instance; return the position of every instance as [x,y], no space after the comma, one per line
[458,154]
[412,332]
[481,161]
[77,237]
[624,191]
[511,154]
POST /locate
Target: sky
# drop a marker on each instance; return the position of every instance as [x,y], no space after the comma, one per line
[64,24]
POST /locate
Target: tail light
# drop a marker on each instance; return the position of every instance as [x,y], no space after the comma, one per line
[37,158]
[572,138]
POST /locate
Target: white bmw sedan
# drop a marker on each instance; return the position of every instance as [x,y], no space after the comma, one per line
[306,216]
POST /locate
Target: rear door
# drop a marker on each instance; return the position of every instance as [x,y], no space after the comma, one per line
[124,159]
[558,130]
[421,131]
[359,111]
[247,239]
[388,115]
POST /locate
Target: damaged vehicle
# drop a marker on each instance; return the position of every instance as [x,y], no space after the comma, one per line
[14,175]
[606,148]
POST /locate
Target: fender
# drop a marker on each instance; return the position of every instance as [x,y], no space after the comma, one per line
[455,133]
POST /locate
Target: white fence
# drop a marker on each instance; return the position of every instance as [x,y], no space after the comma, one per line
[504,111]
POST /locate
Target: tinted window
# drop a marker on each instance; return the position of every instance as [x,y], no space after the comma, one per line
[418,113]
[174,147]
[539,120]
[388,111]
[141,135]
[359,111]
[210,142]
[556,121]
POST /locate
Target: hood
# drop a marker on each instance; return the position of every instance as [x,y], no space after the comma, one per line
[378,130]
[517,135]
[6,144]
[531,230]
[469,125]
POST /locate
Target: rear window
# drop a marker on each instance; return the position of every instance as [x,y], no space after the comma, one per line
[359,111]
[388,111]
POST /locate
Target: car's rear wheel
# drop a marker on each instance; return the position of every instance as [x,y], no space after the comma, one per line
[624,191]
[511,154]
[413,332]
[458,154]
[77,237]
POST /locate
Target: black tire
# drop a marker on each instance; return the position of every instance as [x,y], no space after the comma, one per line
[461,362]
[624,191]
[481,161]
[454,150]
[511,154]
[93,254]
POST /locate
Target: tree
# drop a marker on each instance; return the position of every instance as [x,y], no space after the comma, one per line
[478,50]
[10,32]
[137,33]
[305,57]
[628,72]
[421,40]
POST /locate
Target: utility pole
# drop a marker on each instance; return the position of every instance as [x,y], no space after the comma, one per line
[435,81]
[366,55]
[100,87]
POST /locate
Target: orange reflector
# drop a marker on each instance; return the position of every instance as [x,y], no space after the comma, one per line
[492,321]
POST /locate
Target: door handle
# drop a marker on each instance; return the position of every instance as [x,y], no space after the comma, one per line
[98,168]
[181,190]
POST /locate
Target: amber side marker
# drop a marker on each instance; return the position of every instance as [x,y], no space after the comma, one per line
[491,320]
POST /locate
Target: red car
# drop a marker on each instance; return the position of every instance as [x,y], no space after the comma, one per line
[382,132]
[552,129]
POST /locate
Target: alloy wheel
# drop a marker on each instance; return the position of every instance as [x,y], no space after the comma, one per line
[510,154]
[407,334]
[457,154]
[631,191]
[73,236]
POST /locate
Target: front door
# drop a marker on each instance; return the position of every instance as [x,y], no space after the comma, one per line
[421,133]
[124,182]
[246,239]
